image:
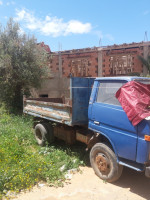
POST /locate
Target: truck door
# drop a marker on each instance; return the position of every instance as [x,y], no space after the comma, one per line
[108,117]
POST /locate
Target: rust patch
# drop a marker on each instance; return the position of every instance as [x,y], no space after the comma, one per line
[45,99]
[102,163]
[54,114]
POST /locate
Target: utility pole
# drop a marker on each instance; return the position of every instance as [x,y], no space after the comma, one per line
[100,42]
[145,37]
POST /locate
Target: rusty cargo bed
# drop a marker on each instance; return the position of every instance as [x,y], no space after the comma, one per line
[67,103]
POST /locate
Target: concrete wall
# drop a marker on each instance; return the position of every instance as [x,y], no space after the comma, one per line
[54,88]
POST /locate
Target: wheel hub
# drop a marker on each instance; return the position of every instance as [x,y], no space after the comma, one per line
[102,163]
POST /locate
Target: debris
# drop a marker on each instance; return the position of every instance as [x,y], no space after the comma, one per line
[70,173]
[41,184]
[62,168]
[68,176]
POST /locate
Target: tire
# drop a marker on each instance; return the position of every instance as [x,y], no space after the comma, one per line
[44,133]
[104,162]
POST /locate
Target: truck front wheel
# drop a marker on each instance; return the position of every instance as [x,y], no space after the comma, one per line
[104,162]
[44,133]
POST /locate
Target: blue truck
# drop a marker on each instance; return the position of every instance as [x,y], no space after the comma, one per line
[90,113]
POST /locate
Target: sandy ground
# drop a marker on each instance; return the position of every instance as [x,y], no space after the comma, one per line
[86,185]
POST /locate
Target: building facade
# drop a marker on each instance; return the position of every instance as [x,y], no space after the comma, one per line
[116,60]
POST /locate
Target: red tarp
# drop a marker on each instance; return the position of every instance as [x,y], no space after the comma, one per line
[135,100]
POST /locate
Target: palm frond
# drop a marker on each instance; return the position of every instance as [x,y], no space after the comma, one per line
[145,62]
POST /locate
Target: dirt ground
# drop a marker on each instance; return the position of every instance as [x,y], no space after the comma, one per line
[86,185]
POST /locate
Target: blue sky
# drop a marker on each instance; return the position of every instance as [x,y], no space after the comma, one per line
[74,24]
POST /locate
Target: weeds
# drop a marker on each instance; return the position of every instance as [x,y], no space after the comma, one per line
[23,163]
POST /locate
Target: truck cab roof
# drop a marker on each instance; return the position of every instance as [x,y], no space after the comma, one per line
[122,78]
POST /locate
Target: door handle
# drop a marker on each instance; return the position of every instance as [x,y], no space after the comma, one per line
[96,122]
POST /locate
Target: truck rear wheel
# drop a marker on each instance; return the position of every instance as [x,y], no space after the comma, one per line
[44,133]
[104,162]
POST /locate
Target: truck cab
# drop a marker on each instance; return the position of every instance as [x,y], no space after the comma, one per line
[121,143]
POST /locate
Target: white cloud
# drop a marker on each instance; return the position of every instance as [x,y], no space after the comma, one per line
[74,26]
[52,25]
[21,31]
[1,3]
[20,15]
[47,18]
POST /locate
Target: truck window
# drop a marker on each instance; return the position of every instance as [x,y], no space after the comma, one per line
[107,91]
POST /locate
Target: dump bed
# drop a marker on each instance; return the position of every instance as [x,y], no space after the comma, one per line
[63,100]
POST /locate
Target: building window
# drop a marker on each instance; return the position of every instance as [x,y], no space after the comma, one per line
[119,64]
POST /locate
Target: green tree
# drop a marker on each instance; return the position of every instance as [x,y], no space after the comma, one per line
[145,62]
[22,64]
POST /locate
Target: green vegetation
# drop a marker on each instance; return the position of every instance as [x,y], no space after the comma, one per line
[22,64]
[23,163]
[145,62]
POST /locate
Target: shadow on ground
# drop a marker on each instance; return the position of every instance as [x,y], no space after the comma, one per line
[136,181]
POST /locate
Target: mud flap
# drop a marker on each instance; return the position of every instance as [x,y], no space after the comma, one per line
[147,172]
